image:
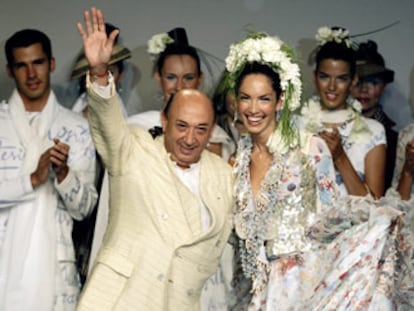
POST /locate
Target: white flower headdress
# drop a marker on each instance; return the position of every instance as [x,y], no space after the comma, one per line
[273,52]
[326,34]
[158,43]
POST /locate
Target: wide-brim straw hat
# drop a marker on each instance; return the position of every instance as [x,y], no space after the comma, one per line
[366,69]
[119,53]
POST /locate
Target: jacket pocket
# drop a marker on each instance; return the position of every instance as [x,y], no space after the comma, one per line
[105,286]
[116,262]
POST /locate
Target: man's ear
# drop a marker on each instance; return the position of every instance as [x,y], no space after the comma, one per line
[212,130]
[52,64]
[10,71]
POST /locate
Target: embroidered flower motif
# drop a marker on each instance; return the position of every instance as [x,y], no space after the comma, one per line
[158,43]
[326,34]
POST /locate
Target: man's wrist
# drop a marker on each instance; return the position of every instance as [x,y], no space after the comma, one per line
[34,180]
[99,75]
[61,173]
[100,71]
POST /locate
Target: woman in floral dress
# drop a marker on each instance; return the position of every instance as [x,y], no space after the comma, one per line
[357,144]
[300,247]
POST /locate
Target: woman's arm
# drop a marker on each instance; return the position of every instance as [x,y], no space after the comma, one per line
[406,178]
[374,167]
[375,170]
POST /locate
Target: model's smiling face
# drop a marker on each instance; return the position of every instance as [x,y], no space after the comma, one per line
[258,104]
[333,82]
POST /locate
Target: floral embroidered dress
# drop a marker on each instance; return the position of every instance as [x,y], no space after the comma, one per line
[358,134]
[303,248]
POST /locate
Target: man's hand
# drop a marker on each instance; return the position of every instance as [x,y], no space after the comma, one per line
[97,46]
[59,154]
[55,157]
[41,174]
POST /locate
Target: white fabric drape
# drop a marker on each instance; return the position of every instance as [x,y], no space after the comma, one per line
[28,255]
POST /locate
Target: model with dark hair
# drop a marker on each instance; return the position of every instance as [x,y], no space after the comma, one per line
[357,143]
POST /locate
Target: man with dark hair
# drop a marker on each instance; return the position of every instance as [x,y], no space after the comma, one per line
[47,167]
[27,37]
[170,198]
[373,78]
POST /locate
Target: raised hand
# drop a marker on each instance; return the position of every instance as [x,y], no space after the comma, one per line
[97,46]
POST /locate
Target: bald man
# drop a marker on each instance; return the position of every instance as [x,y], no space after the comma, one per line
[170,198]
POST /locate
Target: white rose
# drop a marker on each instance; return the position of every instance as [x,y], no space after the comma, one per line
[253,56]
[158,43]
[268,56]
[323,35]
